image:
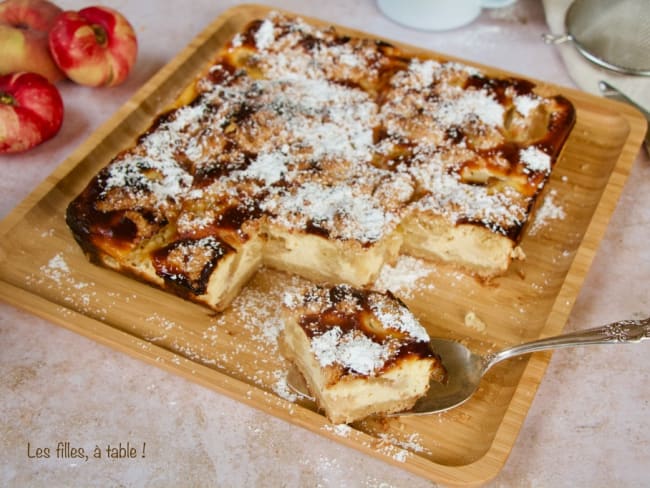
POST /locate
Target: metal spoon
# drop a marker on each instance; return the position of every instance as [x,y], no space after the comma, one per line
[465,369]
[611,91]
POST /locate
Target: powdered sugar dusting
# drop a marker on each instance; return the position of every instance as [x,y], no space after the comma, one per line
[363,217]
[341,430]
[535,159]
[281,387]
[525,104]
[268,167]
[265,35]
[404,276]
[164,178]
[306,145]
[412,442]
[396,316]
[56,269]
[348,338]
[472,103]
[549,210]
[350,349]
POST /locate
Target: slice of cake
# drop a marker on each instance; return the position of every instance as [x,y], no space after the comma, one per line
[361,352]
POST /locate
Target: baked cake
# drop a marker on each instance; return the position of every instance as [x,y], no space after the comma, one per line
[324,155]
[361,352]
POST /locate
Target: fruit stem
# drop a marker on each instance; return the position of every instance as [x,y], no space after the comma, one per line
[100,34]
[6,99]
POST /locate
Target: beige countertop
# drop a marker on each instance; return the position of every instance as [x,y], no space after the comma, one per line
[588,425]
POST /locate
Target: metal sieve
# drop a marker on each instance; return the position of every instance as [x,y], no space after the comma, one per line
[614,34]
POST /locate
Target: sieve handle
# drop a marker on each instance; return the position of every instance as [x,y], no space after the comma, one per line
[556,38]
[609,90]
[612,92]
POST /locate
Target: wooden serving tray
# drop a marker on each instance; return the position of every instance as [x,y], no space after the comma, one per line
[235,353]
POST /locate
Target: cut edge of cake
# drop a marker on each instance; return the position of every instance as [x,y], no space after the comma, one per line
[361,352]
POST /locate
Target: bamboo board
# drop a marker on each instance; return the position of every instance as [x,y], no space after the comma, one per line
[235,353]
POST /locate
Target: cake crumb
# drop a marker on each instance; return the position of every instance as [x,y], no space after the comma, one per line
[518,253]
[474,322]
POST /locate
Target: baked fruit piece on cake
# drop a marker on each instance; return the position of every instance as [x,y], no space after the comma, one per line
[361,352]
[480,149]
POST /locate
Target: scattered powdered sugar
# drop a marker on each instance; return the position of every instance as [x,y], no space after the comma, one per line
[549,210]
[137,173]
[413,442]
[403,276]
[471,103]
[341,430]
[164,324]
[535,159]
[395,452]
[56,269]
[265,35]
[281,387]
[73,293]
[397,316]
[259,313]
[162,321]
[525,104]
[350,349]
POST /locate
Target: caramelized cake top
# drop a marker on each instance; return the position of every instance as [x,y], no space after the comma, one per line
[359,332]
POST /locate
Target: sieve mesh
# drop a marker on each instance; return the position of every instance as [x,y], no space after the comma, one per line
[615,33]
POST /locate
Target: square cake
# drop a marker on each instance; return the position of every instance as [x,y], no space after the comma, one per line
[361,352]
[323,155]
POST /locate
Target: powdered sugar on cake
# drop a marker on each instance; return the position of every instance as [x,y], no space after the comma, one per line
[398,317]
[310,114]
[535,159]
[351,350]
[297,137]
[382,326]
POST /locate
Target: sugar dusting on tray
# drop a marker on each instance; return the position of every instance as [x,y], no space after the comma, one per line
[404,277]
[549,210]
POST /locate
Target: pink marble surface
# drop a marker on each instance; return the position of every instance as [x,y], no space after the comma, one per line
[588,425]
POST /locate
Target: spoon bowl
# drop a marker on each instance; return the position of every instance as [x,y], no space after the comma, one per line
[465,369]
[464,372]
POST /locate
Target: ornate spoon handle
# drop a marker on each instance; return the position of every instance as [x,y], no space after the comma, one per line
[621,332]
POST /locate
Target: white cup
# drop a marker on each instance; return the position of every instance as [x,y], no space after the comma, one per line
[436,14]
